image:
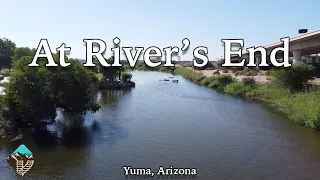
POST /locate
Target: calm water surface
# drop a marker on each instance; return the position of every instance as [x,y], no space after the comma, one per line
[163,123]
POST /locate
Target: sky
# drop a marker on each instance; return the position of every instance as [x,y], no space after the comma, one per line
[155,23]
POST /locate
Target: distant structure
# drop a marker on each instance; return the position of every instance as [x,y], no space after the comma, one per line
[305,44]
[302,31]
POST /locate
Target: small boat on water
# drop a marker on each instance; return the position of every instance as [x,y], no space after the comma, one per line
[175,81]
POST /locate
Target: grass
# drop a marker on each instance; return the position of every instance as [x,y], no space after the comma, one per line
[237,89]
[303,108]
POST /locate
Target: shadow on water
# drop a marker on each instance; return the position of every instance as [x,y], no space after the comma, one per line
[80,131]
[70,143]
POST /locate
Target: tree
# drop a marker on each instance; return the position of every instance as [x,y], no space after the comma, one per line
[21,52]
[34,93]
[295,77]
[6,51]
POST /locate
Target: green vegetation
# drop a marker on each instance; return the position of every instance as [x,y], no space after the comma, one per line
[100,77]
[302,107]
[249,81]
[33,94]
[189,74]
[125,76]
[237,89]
[6,52]
[294,78]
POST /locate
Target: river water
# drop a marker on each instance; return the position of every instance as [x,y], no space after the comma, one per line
[181,124]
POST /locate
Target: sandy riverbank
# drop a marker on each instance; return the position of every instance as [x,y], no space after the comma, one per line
[260,78]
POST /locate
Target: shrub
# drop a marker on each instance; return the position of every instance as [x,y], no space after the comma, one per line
[126,77]
[237,73]
[248,81]
[216,73]
[295,77]
[99,77]
[224,79]
[237,89]
[214,84]
[249,72]
[224,71]
[207,80]
[235,69]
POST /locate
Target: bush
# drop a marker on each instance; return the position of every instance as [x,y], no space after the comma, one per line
[207,80]
[34,94]
[237,89]
[214,84]
[295,77]
[237,73]
[216,72]
[99,77]
[248,81]
[224,79]
[126,77]
[224,71]
[249,72]
[235,69]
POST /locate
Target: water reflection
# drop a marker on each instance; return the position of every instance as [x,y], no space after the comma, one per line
[110,97]
[65,146]
[81,131]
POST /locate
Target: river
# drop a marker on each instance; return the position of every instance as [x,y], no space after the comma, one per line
[160,123]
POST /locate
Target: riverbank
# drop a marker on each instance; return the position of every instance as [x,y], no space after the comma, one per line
[303,108]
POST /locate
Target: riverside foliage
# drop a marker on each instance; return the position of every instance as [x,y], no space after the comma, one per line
[34,93]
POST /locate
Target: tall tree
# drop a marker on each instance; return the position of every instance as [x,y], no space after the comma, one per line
[20,52]
[6,52]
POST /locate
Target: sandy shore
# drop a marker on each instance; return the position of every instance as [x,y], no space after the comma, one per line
[261,78]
